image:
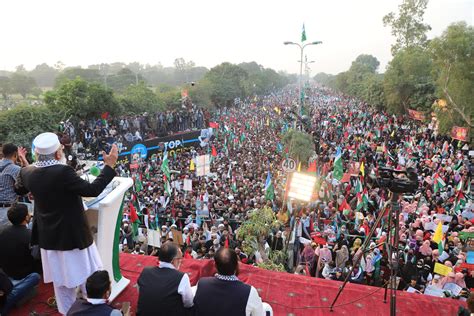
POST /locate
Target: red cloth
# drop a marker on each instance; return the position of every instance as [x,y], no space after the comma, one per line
[286,293]
[214,151]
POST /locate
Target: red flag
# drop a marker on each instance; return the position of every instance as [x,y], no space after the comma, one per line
[226,243]
[213,125]
[104,115]
[344,206]
[133,214]
[312,167]
[214,151]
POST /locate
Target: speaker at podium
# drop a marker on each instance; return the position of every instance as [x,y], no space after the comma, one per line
[104,214]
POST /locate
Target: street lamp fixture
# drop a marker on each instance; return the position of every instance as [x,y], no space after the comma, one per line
[301,46]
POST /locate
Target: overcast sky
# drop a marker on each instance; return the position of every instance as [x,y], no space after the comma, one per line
[207,32]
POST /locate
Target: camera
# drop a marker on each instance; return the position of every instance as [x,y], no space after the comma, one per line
[399,181]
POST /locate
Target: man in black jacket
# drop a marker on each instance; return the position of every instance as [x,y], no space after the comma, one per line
[60,227]
[224,294]
[164,290]
[16,259]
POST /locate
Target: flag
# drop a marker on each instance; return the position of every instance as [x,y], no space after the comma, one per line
[345,207]
[192,167]
[134,219]
[459,186]
[138,184]
[358,187]
[299,167]
[303,34]
[338,169]
[279,148]
[362,169]
[438,237]
[460,202]
[269,192]
[214,151]
[164,166]
[233,186]
[312,167]
[213,125]
[438,183]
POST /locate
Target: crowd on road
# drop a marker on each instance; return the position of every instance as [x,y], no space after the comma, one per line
[323,238]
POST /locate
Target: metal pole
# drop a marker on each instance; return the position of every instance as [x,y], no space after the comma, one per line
[301,82]
[394,267]
[363,248]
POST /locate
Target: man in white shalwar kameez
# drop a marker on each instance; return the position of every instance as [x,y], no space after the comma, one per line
[60,228]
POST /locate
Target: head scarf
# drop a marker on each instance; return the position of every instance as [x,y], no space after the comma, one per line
[342,255]
[425,248]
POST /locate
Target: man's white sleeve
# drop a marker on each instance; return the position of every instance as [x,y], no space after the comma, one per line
[254,304]
[184,289]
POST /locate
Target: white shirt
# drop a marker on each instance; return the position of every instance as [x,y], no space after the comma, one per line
[184,287]
[98,301]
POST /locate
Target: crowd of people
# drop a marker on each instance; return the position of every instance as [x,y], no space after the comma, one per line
[87,138]
[323,238]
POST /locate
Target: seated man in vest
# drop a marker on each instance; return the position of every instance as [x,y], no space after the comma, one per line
[98,291]
[164,290]
[224,294]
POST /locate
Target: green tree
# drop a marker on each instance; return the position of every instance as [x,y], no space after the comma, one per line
[44,75]
[300,145]
[5,87]
[82,99]
[200,93]
[139,98]
[253,233]
[24,122]
[169,96]
[89,75]
[22,84]
[453,57]
[408,81]
[227,83]
[123,79]
[408,27]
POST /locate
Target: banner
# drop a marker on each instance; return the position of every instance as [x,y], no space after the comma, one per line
[131,152]
[416,115]
[459,133]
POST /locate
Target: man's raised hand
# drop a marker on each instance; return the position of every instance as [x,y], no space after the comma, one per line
[111,159]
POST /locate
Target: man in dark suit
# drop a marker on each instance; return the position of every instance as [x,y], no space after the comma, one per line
[164,290]
[18,278]
[16,259]
[224,294]
[60,227]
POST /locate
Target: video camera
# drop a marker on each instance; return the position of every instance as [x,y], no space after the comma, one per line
[399,181]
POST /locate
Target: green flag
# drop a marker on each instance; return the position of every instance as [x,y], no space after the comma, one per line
[338,170]
[269,191]
[165,167]
[303,34]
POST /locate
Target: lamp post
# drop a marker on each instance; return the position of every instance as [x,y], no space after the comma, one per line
[302,47]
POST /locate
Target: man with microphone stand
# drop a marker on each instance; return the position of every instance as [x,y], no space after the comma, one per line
[60,228]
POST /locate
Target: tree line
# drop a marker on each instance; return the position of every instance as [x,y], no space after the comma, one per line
[431,76]
[83,93]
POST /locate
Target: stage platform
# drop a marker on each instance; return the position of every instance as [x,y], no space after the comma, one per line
[288,294]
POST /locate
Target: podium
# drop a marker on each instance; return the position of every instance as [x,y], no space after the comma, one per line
[104,215]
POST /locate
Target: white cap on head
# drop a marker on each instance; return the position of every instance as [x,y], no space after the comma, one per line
[46,143]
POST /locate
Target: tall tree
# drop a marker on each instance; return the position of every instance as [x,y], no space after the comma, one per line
[453,56]
[82,99]
[227,83]
[408,81]
[22,84]
[408,27]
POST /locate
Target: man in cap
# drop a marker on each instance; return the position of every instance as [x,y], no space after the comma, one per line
[8,173]
[60,226]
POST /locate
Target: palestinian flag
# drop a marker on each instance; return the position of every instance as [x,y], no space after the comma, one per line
[438,183]
[344,206]
[460,202]
[338,170]
[233,186]
[166,173]
[438,237]
[269,191]
[358,187]
[138,184]
[134,219]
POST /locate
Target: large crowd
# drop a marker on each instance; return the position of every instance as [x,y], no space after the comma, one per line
[328,232]
[322,238]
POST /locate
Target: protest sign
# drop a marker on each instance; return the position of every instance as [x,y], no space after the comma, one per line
[434,291]
[154,238]
[188,185]
[442,269]
[203,165]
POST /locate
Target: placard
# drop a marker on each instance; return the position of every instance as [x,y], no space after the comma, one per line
[154,238]
[203,165]
[442,269]
[188,185]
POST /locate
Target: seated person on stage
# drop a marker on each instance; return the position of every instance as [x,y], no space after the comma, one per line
[164,290]
[224,294]
[16,261]
[98,291]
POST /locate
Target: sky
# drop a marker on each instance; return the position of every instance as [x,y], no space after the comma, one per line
[207,32]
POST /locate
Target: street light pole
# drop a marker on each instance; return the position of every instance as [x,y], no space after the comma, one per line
[302,47]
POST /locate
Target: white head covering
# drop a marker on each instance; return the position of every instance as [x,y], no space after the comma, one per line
[46,143]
